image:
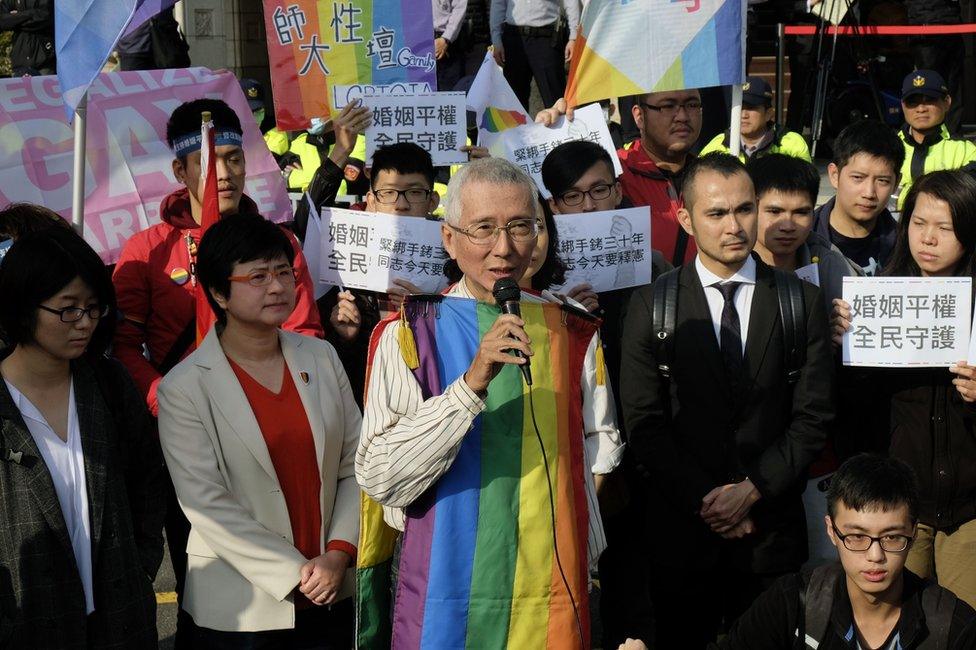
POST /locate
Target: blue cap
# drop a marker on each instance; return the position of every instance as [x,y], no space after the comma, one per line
[756,91]
[924,82]
[254,92]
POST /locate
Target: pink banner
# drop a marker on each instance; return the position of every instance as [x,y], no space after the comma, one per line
[129,166]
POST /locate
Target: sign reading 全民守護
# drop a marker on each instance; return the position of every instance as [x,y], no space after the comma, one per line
[907,322]
[437,122]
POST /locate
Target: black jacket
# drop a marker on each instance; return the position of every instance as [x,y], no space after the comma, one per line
[933,12]
[886,225]
[692,434]
[775,618]
[32,23]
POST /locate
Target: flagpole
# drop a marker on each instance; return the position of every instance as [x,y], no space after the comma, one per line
[735,128]
[78,181]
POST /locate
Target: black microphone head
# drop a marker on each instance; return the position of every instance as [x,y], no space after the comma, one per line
[506,290]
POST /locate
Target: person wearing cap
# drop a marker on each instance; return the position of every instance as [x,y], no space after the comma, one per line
[276,140]
[925,103]
[759,135]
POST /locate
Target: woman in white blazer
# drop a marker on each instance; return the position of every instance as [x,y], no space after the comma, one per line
[259,428]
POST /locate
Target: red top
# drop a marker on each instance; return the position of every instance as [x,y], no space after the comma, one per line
[644,184]
[287,434]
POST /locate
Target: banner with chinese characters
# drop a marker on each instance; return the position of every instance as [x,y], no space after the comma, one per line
[607,250]
[527,145]
[314,45]
[907,322]
[437,122]
[368,250]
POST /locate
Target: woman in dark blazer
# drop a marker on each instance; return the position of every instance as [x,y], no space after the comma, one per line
[80,469]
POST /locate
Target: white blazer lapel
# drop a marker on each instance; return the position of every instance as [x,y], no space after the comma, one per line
[305,373]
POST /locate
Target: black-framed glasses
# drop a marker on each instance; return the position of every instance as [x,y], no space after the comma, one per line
[389,196]
[285,275]
[860,543]
[484,234]
[597,193]
[670,109]
[75,314]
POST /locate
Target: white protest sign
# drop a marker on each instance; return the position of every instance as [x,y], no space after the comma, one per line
[368,250]
[608,250]
[342,95]
[810,273]
[435,121]
[907,322]
[528,145]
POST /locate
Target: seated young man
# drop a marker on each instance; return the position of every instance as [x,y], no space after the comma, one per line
[867,157]
[929,147]
[401,180]
[759,134]
[868,599]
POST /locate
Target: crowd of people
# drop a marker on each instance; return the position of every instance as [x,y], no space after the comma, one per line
[694,446]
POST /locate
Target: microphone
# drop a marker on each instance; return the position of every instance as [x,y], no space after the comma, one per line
[507,294]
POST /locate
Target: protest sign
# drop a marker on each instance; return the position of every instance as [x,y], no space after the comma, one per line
[608,250]
[315,45]
[495,106]
[907,322]
[632,48]
[368,250]
[810,273]
[528,145]
[436,121]
[342,95]
[128,164]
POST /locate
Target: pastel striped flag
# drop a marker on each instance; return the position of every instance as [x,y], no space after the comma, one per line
[477,566]
[496,120]
[631,47]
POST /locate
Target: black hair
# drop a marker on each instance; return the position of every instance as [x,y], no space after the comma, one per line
[725,164]
[870,137]
[567,163]
[19,219]
[38,266]
[958,189]
[872,482]
[403,158]
[186,118]
[784,173]
[552,273]
[235,239]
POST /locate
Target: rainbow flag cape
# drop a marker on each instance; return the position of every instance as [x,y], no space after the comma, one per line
[476,565]
[496,120]
[642,46]
[315,45]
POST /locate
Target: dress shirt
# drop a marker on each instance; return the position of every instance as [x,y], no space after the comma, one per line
[408,443]
[448,17]
[66,465]
[743,296]
[531,13]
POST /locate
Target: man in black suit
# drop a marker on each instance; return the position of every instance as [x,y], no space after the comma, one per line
[725,441]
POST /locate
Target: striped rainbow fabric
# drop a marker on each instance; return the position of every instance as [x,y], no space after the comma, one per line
[477,567]
[496,120]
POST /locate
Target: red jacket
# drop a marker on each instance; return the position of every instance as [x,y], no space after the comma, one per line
[644,184]
[156,295]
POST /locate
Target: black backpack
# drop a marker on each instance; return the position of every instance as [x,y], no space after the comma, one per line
[792,312]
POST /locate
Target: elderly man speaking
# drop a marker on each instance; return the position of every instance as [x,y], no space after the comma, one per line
[489,474]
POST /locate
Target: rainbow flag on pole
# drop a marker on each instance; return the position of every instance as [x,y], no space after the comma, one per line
[477,565]
[314,45]
[640,46]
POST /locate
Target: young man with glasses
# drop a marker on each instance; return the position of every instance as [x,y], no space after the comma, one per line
[867,599]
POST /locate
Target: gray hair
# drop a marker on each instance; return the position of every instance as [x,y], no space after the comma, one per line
[496,171]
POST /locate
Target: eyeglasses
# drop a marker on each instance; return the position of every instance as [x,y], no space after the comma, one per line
[484,234]
[597,193]
[390,196]
[671,109]
[860,543]
[75,314]
[286,275]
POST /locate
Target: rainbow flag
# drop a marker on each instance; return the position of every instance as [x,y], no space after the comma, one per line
[477,567]
[314,45]
[682,44]
[496,120]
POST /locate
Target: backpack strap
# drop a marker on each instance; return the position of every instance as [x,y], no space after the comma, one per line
[664,316]
[938,605]
[817,601]
[792,312]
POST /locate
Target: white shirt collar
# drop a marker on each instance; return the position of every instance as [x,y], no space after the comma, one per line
[746,274]
[461,290]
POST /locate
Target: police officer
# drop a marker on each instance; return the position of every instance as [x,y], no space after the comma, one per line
[925,102]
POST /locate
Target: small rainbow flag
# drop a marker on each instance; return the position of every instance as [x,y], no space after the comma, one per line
[496,120]
[477,566]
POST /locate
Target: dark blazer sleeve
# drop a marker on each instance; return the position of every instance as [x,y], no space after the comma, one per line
[770,622]
[323,189]
[646,401]
[784,462]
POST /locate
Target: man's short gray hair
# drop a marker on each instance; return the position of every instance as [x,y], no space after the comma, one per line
[496,171]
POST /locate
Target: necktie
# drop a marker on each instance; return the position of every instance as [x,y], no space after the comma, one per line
[731,335]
